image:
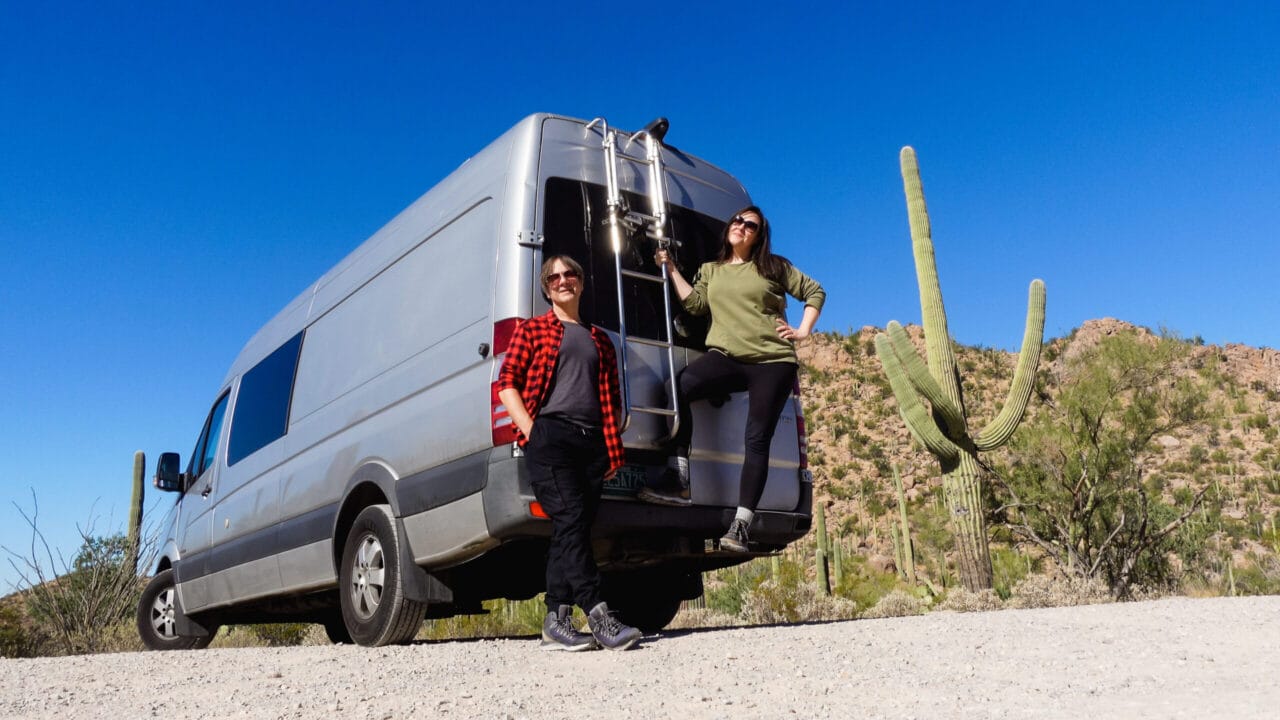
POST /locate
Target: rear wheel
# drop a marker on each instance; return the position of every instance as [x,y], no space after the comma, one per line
[371,591]
[649,600]
[157,617]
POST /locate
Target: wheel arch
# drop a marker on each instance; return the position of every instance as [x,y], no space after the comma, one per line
[372,484]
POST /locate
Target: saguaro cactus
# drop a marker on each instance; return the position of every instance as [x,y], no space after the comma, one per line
[821,552]
[908,549]
[944,431]
[135,508]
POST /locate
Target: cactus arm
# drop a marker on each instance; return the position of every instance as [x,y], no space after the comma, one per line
[923,382]
[999,430]
[942,361]
[913,412]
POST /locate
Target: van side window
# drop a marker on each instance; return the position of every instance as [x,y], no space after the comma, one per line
[262,404]
[206,448]
[574,225]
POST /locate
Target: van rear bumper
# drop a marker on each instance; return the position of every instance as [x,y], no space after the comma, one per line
[626,521]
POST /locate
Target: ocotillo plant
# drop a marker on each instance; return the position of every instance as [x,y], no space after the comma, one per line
[944,432]
[135,509]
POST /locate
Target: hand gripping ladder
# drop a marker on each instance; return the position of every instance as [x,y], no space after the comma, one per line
[655,225]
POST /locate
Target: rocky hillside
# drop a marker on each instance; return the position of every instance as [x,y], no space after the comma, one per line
[856,436]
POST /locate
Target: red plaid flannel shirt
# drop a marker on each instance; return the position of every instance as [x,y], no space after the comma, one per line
[531,361]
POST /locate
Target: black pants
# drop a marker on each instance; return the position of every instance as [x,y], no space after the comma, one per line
[566,467]
[768,386]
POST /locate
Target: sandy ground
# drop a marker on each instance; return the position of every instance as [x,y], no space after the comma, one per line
[1175,658]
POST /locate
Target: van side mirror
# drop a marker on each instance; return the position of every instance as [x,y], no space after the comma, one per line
[168,476]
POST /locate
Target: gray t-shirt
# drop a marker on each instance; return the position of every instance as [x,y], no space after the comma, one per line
[575,394]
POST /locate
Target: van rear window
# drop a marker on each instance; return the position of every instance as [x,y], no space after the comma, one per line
[262,405]
[574,225]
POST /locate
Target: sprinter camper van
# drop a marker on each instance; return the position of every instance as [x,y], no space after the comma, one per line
[356,468]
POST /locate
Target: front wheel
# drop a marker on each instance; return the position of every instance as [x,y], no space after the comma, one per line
[157,617]
[371,591]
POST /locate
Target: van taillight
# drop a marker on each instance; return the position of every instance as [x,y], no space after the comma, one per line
[802,437]
[503,330]
[504,431]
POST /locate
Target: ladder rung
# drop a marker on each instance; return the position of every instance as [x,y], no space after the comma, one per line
[642,276]
[653,410]
[650,343]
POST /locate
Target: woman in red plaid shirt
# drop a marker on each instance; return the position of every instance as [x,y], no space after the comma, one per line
[559,383]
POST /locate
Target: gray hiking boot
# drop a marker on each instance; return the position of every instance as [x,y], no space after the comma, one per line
[736,538]
[558,632]
[609,631]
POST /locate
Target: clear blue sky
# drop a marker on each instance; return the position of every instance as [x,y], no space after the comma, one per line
[172,173]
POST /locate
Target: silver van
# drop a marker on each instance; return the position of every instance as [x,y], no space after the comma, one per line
[356,468]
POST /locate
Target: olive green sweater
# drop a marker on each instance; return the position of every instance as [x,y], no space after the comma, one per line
[744,308]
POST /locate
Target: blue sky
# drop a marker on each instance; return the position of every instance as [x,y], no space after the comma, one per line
[171,174]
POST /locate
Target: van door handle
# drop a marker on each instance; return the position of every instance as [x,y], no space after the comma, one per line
[205,493]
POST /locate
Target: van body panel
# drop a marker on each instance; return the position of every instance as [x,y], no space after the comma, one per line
[450,533]
[303,568]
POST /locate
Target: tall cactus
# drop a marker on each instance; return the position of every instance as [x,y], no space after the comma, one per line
[943,429]
[908,549]
[135,508]
[820,553]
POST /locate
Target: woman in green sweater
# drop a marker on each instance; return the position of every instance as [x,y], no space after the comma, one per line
[750,347]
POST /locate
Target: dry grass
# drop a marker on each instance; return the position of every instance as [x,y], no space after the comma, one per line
[961,600]
[1045,591]
[897,604]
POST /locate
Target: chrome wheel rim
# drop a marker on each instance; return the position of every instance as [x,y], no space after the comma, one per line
[368,575]
[162,614]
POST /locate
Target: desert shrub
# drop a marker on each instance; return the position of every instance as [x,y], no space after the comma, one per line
[726,590]
[782,600]
[1008,568]
[898,603]
[863,585]
[16,639]
[960,600]
[505,618]
[97,590]
[280,634]
[702,618]
[1042,591]
[1259,421]
[1260,577]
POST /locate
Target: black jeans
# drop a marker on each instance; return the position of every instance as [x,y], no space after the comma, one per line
[566,466]
[768,386]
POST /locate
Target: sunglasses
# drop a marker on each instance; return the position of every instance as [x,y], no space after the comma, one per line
[567,275]
[751,225]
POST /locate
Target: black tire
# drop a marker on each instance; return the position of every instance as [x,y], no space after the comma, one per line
[336,629]
[157,610]
[370,589]
[647,601]
[649,616]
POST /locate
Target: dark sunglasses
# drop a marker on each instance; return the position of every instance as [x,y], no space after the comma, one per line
[751,225]
[567,275]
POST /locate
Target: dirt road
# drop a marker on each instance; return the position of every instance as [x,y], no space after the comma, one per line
[1175,658]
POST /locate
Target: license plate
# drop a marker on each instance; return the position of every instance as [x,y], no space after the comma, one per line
[627,481]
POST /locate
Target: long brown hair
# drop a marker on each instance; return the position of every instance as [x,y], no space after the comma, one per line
[771,267]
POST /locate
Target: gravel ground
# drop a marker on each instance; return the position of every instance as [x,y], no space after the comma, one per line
[1174,658]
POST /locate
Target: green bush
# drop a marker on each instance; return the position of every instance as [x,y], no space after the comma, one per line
[280,634]
[1008,568]
[16,639]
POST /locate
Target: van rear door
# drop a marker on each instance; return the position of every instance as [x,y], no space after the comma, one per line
[572,208]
